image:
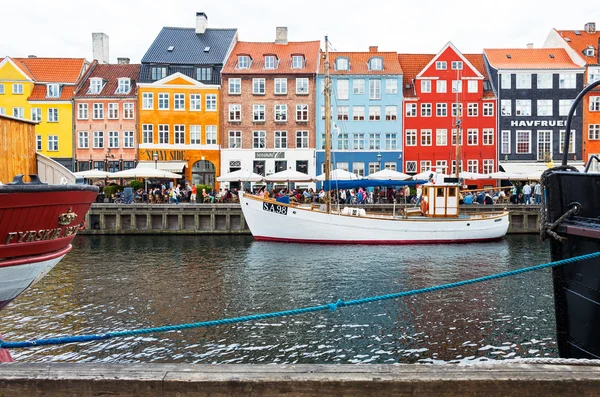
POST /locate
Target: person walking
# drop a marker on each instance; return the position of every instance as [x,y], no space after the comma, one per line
[526,193]
[537,191]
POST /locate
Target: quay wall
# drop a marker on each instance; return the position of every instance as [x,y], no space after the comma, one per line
[121,219]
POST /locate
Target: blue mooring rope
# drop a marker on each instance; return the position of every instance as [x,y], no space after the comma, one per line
[330,306]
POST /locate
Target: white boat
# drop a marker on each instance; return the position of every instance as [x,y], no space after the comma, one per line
[435,220]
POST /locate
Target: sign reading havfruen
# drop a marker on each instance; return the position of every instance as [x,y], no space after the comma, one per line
[537,123]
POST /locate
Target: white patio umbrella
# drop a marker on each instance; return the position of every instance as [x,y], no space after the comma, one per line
[388,175]
[144,173]
[426,174]
[93,174]
[472,175]
[339,175]
[240,176]
[505,175]
[289,176]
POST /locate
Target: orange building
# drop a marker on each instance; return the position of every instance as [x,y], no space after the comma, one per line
[179,127]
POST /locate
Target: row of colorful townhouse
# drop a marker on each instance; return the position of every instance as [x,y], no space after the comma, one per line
[203,103]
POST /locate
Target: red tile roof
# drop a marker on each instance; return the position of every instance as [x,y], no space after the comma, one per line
[529,58]
[54,70]
[110,74]
[579,42]
[284,52]
[21,66]
[39,93]
[359,63]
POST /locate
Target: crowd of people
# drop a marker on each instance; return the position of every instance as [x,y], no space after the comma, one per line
[518,193]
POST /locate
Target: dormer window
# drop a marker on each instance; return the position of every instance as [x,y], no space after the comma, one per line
[375,64]
[270,62]
[297,61]
[440,65]
[342,64]
[124,86]
[95,86]
[589,52]
[53,90]
[457,65]
[243,62]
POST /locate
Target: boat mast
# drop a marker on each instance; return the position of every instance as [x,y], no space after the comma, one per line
[327,93]
[459,111]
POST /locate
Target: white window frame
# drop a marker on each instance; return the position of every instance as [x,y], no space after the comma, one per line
[113,111]
[441,86]
[53,115]
[358,113]
[472,109]
[36,114]
[426,137]
[441,110]
[441,137]
[441,65]
[163,101]
[302,112]
[567,81]
[527,134]
[124,85]
[98,140]
[561,141]
[505,142]
[128,111]
[147,101]
[280,139]
[297,61]
[411,137]
[374,113]
[506,107]
[505,81]
[426,110]
[243,62]
[270,62]
[128,139]
[258,113]
[147,133]
[544,107]
[523,81]
[280,86]
[235,86]
[280,113]
[235,112]
[52,90]
[83,139]
[302,139]
[195,102]
[234,139]
[472,86]
[259,86]
[391,86]
[595,104]
[564,105]
[302,86]
[343,89]
[211,102]
[545,81]
[358,86]
[410,109]
[113,139]
[487,136]
[374,89]
[53,143]
[163,134]
[259,139]
[472,137]
[488,109]
[457,65]
[179,102]
[425,86]
[179,134]
[391,112]
[195,135]
[523,107]
[594,132]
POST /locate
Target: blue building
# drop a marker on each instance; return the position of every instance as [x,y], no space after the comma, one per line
[366,98]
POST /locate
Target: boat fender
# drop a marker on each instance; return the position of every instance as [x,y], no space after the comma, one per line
[81,225]
[424,206]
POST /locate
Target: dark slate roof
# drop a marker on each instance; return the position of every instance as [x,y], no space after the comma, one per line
[189,46]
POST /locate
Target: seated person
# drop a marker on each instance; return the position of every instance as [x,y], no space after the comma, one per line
[468,200]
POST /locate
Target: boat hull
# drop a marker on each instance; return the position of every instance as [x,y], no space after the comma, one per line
[273,221]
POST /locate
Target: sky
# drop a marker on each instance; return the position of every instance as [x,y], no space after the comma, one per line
[63,28]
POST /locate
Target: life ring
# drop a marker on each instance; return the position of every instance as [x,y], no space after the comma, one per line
[424,207]
[81,226]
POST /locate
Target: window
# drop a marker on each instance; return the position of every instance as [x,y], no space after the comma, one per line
[358,169]
[342,112]
[411,166]
[472,137]
[36,114]
[113,139]
[179,134]
[460,166]
[83,139]
[457,65]
[472,86]
[426,110]
[95,85]
[302,86]
[147,133]
[391,113]
[571,141]
[523,107]
[441,165]
[302,113]
[411,137]
[488,109]
[53,115]
[505,107]
[280,86]
[523,142]
[564,106]
[281,113]
[124,85]
[148,101]
[488,166]
[128,139]
[488,136]
[505,142]
[454,133]
[53,90]
[457,110]
[98,111]
[259,139]
[523,81]
[342,89]
[472,109]
[472,165]
[2,110]
[457,86]
[376,64]
[544,147]
[374,167]
[425,137]
[258,86]
[211,134]
[358,86]
[38,142]
[391,86]
[1,89]
[342,166]
[440,65]
[195,102]
[441,109]
[544,107]
[17,89]
[128,112]
[243,62]
[358,113]
[375,141]
[593,74]
[195,136]
[595,104]
[594,131]
[343,142]
[204,74]
[297,61]
[391,141]
[258,113]
[158,73]
[179,101]
[211,102]
[281,140]
[411,110]
[163,101]
[235,139]
[374,113]
[341,64]
[425,85]
[358,141]
[441,137]
[425,165]
[98,139]
[235,86]
[374,89]
[163,133]
[113,111]
[505,81]
[567,80]
[544,81]
[235,112]
[53,143]
[441,86]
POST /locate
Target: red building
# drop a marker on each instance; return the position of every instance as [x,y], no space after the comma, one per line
[446,95]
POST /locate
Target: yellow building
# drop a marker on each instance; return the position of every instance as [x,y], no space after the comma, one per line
[179,127]
[41,89]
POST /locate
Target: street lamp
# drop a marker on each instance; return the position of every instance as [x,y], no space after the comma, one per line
[155,157]
[379,160]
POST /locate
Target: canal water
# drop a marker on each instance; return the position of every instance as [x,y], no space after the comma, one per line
[110,283]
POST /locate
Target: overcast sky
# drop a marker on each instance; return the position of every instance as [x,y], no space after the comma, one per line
[63,28]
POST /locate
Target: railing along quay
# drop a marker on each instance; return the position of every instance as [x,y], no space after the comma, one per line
[220,218]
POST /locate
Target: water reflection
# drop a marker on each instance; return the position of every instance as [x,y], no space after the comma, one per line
[114,283]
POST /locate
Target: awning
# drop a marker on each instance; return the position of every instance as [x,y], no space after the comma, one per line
[171,166]
[523,167]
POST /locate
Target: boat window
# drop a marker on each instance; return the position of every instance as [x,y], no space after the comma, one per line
[452,192]
[440,192]
[424,191]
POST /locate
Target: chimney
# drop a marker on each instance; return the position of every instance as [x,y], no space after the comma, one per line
[590,27]
[201,22]
[373,48]
[123,61]
[100,47]
[529,45]
[281,35]
[31,56]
